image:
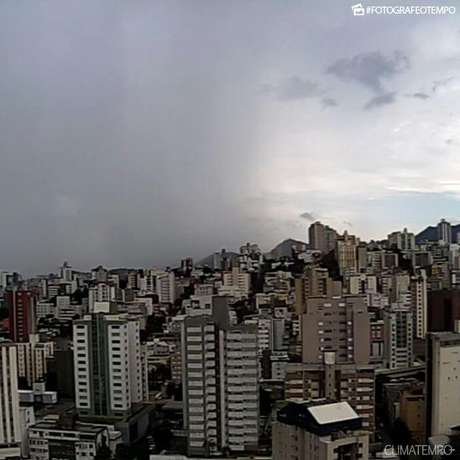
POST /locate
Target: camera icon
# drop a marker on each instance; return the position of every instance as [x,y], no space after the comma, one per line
[358,9]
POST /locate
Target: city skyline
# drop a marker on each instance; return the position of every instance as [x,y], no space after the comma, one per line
[161,129]
[321,350]
[266,251]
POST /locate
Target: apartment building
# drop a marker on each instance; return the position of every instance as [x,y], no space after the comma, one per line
[10,428]
[108,365]
[220,391]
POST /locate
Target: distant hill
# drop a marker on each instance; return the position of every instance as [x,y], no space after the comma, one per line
[284,249]
[431,234]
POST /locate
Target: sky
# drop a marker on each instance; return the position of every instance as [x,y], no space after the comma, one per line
[135,133]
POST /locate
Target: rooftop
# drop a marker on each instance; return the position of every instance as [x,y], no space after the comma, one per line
[321,417]
[334,412]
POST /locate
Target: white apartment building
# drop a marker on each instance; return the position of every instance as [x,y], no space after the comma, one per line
[65,272]
[444,232]
[278,283]
[165,287]
[238,280]
[361,284]
[270,332]
[108,365]
[44,309]
[419,299]
[32,359]
[405,241]
[442,382]
[102,292]
[346,253]
[199,367]
[10,428]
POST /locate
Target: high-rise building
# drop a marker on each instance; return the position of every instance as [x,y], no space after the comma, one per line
[220,391]
[336,324]
[354,383]
[346,254]
[65,272]
[166,287]
[399,337]
[21,305]
[335,355]
[100,293]
[108,367]
[315,282]
[270,332]
[236,282]
[444,232]
[405,241]
[442,382]
[419,299]
[10,429]
[322,237]
[100,274]
[361,284]
[321,430]
[33,359]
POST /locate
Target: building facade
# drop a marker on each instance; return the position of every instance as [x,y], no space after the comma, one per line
[220,390]
[108,367]
[10,428]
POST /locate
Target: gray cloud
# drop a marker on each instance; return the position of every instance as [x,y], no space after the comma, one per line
[437,84]
[378,101]
[141,137]
[308,216]
[294,88]
[329,102]
[369,69]
[422,96]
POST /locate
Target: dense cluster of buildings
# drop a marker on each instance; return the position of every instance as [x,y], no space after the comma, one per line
[317,349]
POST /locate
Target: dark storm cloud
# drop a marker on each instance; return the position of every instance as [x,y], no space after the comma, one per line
[369,69]
[378,101]
[123,133]
[134,133]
